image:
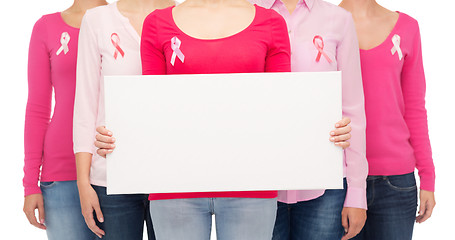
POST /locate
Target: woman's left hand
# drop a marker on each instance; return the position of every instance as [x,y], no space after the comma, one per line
[427,204]
[342,133]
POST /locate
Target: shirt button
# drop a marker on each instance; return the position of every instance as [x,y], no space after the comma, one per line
[289,31]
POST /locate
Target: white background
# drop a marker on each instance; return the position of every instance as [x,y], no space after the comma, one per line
[437,29]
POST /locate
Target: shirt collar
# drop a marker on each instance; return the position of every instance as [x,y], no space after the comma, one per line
[269,3]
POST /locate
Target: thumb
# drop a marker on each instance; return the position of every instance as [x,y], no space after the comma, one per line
[99,214]
[422,207]
[41,214]
[345,221]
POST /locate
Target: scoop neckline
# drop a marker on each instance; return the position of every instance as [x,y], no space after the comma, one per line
[214,39]
[65,23]
[388,36]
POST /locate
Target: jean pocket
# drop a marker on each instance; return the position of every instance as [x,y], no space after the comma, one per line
[405,182]
[47,184]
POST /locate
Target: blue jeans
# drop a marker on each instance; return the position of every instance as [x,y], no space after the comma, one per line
[62,208]
[316,219]
[191,218]
[392,206]
[124,215]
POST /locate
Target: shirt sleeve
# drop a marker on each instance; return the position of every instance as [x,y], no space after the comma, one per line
[152,54]
[414,87]
[88,77]
[278,55]
[348,58]
[39,105]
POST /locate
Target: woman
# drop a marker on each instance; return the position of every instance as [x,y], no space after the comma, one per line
[210,25]
[109,45]
[397,132]
[49,157]
[323,38]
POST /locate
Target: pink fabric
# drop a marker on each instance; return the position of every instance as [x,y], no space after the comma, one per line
[48,141]
[335,26]
[99,55]
[262,47]
[397,131]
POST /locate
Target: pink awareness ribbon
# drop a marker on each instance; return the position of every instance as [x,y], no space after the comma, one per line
[320,47]
[64,40]
[115,39]
[396,46]
[175,45]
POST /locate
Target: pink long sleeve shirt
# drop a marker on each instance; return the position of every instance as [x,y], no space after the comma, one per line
[312,25]
[261,47]
[394,83]
[51,66]
[108,45]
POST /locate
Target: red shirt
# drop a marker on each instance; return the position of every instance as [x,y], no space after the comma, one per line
[261,47]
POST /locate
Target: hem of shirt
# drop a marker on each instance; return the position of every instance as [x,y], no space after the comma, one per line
[248,194]
[60,178]
[374,171]
[97,182]
[301,199]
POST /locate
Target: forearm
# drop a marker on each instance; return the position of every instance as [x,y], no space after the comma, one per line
[83,164]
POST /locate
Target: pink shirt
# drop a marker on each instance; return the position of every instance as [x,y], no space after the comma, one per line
[261,47]
[51,66]
[309,21]
[108,45]
[394,83]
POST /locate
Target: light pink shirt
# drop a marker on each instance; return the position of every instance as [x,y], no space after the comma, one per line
[97,58]
[336,27]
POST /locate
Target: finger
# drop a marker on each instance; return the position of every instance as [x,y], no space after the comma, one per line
[104,145]
[343,145]
[32,219]
[41,214]
[426,213]
[341,131]
[98,212]
[421,210]
[350,234]
[105,138]
[341,138]
[344,122]
[102,130]
[344,221]
[91,224]
[103,152]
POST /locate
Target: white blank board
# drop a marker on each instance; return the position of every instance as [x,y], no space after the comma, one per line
[223,132]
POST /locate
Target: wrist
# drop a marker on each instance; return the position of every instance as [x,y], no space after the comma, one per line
[83,183]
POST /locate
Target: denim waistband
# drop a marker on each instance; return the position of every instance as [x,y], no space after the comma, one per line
[374,177]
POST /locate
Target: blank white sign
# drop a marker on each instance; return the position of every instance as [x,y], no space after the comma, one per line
[223,132]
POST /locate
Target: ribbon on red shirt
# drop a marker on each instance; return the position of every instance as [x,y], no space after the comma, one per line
[176,52]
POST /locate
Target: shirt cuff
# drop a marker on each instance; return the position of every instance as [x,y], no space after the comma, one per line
[427,181]
[356,198]
[32,190]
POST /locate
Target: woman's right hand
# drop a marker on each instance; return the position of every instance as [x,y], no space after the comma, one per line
[90,204]
[32,202]
[104,141]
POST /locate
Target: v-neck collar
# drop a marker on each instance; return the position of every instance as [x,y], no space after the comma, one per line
[126,23]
